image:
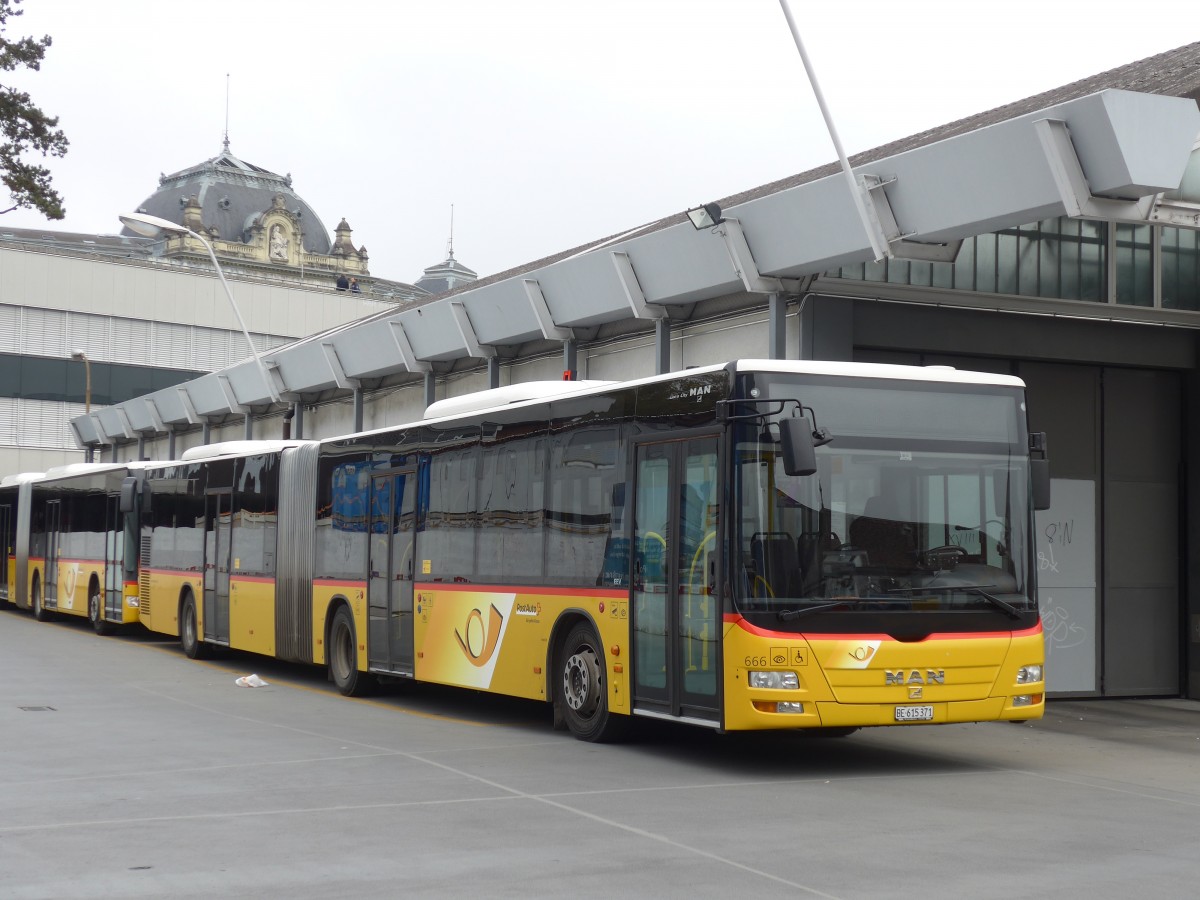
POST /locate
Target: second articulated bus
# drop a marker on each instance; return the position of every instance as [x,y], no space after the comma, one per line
[71,540]
[759,545]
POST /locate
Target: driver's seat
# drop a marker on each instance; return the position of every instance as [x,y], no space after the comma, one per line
[888,542]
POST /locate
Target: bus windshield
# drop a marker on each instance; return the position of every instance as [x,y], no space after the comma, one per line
[919,503]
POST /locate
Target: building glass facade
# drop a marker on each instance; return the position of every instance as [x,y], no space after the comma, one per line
[1063,258]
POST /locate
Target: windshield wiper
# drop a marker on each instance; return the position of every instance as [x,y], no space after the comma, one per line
[787,615]
[977,589]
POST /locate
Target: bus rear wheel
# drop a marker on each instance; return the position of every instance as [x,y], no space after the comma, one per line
[96,613]
[343,656]
[582,691]
[189,634]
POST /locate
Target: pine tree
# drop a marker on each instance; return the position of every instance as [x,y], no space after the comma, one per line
[25,129]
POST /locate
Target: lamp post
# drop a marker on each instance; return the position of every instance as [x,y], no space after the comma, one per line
[87,389]
[153,226]
[875,235]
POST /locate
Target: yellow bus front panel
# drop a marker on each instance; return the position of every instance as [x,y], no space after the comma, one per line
[859,680]
[130,603]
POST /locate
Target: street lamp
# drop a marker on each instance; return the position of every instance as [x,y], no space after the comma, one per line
[87,389]
[153,226]
[87,368]
[706,216]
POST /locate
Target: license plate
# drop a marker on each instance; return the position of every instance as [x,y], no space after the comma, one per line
[914,713]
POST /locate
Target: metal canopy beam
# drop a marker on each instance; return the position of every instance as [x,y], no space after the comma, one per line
[1097,155]
[462,320]
[335,367]
[541,309]
[744,265]
[115,424]
[231,399]
[155,416]
[405,348]
[633,290]
[1072,183]
[189,408]
[87,431]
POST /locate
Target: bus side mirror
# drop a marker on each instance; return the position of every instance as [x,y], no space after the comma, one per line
[129,494]
[797,447]
[1039,470]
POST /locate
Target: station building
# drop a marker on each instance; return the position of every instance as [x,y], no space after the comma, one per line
[1027,240]
[90,320]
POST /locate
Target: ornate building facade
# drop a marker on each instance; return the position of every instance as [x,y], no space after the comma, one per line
[91,320]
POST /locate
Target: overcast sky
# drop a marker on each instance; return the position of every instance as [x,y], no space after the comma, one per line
[546,123]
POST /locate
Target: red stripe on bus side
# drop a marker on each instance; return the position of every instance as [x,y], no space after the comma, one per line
[519,589]
[197,573]
[736,619]
[86,562]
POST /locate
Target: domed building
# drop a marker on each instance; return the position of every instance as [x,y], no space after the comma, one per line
[446,276]
[92,320]
[260,227]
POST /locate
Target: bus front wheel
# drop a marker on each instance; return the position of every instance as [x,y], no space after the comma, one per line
[343,656]
[582,690]
[96,613]
[189,634]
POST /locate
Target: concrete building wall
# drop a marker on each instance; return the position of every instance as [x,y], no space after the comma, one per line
[134,313]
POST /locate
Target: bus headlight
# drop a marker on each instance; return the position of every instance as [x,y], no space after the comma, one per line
[780,680]
[1029,674]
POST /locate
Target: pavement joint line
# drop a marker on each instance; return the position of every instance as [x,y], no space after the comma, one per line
[151,773]
[510,796]
[245,814]
[1115,790]
[294,685]
[515,792]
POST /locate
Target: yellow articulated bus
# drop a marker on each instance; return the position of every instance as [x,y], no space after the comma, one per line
[72,547]
[14,522]
[764,544]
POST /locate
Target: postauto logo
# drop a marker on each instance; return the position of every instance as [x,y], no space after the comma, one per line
[480,641]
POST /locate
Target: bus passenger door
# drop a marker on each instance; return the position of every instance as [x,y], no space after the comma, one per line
[218,524]
[53,524]
[676,613]
[391,554]
[7,553]
[114,560]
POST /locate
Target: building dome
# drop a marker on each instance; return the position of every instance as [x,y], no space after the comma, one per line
[446,276]
[232,195]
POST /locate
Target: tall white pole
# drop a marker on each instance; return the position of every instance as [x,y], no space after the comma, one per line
[238,313]
[878,245]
